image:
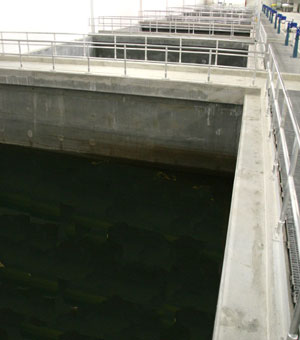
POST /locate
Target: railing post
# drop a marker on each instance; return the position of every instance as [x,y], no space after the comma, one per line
[27,43]
[125,64]
[88,58]
[180,50]
[84,45]
[2,43]
[52,52]
[54,38]
[209,65]
[20,54]
[115,47]
[254,75]
[166,62]
[287,37]
[217,51]
[295,51]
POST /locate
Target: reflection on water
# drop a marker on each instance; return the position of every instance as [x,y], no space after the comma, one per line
[106,250]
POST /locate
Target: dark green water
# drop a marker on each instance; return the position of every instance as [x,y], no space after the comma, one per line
[106,250]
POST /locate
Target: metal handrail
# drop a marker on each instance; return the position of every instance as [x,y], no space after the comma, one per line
[50,49]
[137,24]
[275,83]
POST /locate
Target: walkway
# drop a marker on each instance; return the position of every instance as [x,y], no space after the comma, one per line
[287,64]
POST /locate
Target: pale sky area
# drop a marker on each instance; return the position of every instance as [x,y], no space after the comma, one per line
[68,15]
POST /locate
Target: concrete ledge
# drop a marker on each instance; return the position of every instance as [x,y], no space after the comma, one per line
[124,85]
[253,294]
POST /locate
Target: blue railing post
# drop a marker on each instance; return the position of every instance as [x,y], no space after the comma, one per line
[280,17]
[287,37]
[275,24]
[295,52]
[272,14]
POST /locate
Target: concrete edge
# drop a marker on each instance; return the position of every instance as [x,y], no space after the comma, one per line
[164,88]
[253,290]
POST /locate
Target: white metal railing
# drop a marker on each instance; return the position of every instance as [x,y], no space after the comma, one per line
[287,161]
[31,50]
[174,24]
[231,8]
[205,13]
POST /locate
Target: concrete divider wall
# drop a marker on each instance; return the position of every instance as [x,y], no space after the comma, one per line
[156,129]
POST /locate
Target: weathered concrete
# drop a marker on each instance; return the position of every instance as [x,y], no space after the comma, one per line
[171,131]
[254,296]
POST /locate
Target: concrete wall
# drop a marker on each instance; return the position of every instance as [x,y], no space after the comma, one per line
[149,128]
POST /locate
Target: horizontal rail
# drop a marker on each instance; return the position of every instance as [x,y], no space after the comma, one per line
[288,161]
[115,24]
[27,50]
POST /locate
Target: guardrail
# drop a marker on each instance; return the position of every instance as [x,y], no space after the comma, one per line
[85,51]
[286,158]
[206,12]
[174,24]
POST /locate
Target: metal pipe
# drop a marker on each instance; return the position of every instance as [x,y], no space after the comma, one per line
[209,64]
[295,51]
[20,54]
[88,58]
[125,64]
[166,62]
[52,52]
[92,15]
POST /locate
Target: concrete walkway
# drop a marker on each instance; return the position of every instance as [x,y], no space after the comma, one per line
[287,64]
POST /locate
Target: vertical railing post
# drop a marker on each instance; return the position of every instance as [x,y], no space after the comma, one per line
[287,36]
[2,43]
[20,54]
[295,51]
[209,65]
[180,50]
[125,64]
[115,47]
[254,74]
[52,53]
[166,62]
[217,51]
[84,45]
[27,43]
[54,39]
[88,58]
[146,47]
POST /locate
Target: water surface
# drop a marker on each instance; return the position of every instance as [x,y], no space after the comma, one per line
[102,249]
